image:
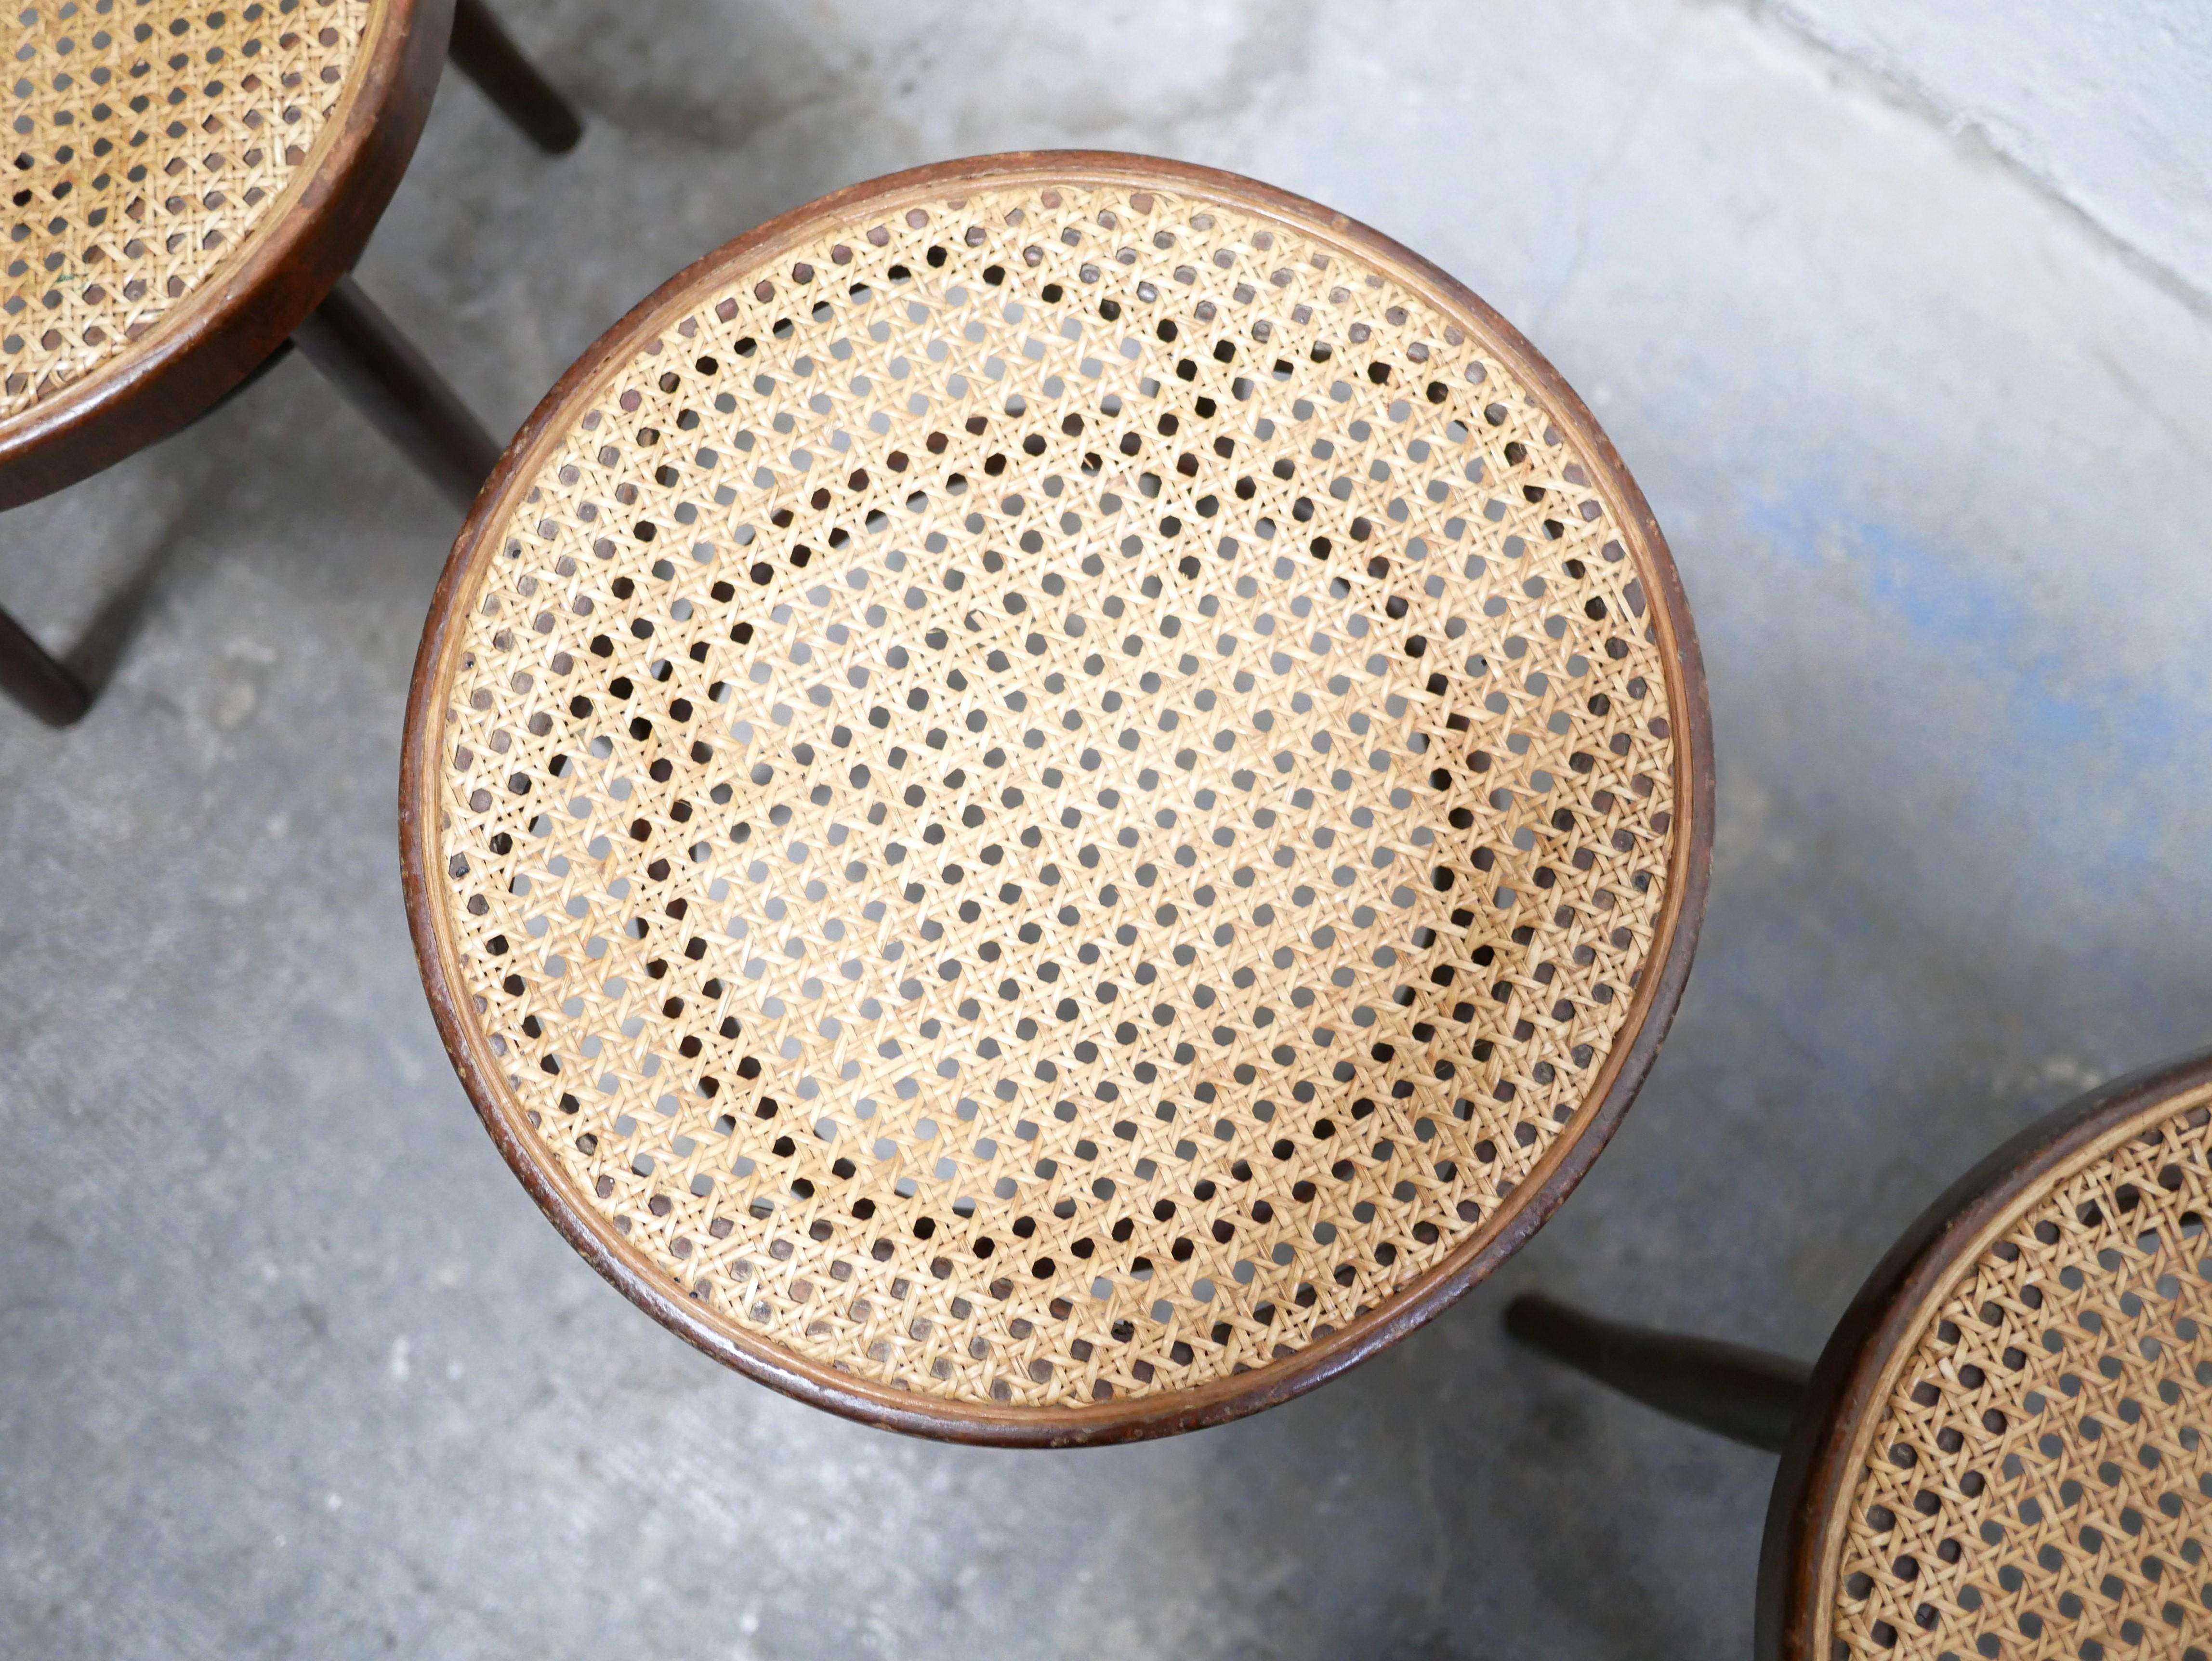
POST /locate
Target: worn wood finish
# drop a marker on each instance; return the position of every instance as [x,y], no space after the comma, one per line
[1863,1369]
[1155,1407]
[231,323]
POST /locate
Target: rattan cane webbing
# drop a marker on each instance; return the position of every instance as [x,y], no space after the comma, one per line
[151,140]
[1052,793]
[2035,1482]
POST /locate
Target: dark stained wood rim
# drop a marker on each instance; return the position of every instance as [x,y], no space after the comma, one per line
[1853,1376]
[223,332]
[1540,1193]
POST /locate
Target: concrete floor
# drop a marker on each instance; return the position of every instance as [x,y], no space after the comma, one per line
[290,1365]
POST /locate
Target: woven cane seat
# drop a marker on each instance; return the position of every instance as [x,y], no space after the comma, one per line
[2032,1478]
[1053,794]
[156,145]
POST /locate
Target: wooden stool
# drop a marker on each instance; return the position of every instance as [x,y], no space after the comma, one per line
[191,186]
[2000,1452]
[1054,796]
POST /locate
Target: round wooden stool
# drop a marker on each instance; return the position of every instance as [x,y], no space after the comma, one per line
[1054,796]
[2001,1450]
[190,185]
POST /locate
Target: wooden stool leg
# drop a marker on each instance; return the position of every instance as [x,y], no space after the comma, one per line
[488,55]
[358,349]
[36,680]
[1745,1394]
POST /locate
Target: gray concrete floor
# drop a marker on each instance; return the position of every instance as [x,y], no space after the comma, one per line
[289,1363]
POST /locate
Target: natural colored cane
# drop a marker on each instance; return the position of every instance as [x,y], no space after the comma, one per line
[155,141]
[2034,1479]
[192,186]
[2001,1453]
[1050,781]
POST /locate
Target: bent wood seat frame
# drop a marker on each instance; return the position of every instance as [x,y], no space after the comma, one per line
[2000,1452]
[1054,796]
[192,187]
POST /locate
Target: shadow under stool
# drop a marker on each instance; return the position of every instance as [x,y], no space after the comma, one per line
[2000,1452]
[189,190]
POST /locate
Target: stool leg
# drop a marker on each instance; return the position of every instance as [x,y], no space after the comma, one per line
[36,680]
[488,55]
[359,351]
[1745,1394]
